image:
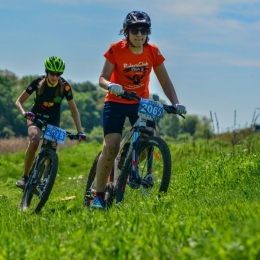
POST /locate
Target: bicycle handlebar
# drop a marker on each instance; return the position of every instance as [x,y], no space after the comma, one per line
[40,123]
[170,109]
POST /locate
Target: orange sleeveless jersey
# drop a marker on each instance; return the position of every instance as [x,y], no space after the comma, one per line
[132,71]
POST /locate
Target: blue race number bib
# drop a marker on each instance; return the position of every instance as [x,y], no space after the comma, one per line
[54,133]
[150,109]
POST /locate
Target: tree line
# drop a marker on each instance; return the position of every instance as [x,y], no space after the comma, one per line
[89,99]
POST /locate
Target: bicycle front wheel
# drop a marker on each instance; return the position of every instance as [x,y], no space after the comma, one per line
[41,181]
[154,168]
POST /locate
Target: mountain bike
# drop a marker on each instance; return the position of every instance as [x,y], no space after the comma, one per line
[45,166]
[143,162]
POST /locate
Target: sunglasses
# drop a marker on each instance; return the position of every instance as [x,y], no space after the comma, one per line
[143,31]
[57,74]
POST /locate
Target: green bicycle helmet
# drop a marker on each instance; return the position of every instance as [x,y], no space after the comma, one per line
[54,63]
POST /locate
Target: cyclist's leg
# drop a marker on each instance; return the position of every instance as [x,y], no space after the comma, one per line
[34,134]
[34,139]
[104,166]
[113,121]
[105,163]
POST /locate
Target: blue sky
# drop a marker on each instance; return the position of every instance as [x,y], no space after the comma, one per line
[211,47]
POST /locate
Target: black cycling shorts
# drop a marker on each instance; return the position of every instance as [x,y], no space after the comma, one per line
[114,115]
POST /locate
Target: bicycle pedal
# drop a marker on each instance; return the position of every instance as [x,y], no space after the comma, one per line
[109,195]
[89,195]
[146,185]
[134,185]
[148,181]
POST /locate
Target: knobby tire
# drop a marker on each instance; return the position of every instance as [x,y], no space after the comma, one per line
[41,181]
[164,169]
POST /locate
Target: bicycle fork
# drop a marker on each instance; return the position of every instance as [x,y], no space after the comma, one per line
[135,180]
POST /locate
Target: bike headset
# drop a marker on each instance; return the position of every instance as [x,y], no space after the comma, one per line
[133,19]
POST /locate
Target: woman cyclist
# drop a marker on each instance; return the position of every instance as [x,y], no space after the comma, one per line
[127,67]
[50,90]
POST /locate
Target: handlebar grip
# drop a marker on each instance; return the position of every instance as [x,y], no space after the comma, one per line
[72,136]
[172,110]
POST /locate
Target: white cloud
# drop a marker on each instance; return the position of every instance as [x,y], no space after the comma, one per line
[244,63]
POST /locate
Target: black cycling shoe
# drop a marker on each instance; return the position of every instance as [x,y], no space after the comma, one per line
[22,182]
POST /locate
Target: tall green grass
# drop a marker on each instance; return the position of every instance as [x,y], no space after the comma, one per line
[211,210]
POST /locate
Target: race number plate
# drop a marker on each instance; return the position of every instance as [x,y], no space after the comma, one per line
[150,109]
[54,133]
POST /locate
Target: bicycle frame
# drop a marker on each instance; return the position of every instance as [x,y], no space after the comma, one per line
[133,137]
[138,150]
[135,134]
[45,167]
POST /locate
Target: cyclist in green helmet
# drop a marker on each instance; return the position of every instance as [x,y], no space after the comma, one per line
[50,90]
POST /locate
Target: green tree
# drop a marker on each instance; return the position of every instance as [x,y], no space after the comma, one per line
[96,134]
[169,125]
[90,101]
[189,124]
[7,116]
[67,120]
[203,129]
[26,80]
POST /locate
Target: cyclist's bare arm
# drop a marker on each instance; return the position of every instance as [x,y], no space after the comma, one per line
[106,74]
[21,99]
[166,83]
[75,114]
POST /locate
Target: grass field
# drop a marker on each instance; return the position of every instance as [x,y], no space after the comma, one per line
[211,210]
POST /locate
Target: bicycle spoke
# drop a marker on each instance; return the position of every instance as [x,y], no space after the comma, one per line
[39,185]
[154,170]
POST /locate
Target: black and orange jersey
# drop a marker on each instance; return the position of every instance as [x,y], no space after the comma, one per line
[49,101]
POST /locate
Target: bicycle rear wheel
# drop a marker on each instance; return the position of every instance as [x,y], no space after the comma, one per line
[41,181]
[154,159]
[91,187]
